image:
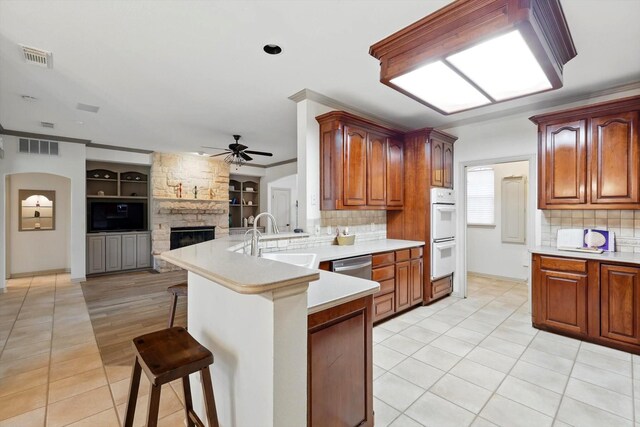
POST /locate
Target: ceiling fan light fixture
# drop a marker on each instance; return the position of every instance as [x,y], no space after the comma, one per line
[501,49]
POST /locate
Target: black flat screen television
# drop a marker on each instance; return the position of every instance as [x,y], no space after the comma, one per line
[117,216]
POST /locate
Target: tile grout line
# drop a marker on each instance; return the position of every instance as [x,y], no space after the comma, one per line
[53,323]
[564,390]
[24,298]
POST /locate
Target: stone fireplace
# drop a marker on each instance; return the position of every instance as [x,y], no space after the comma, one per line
[174,175]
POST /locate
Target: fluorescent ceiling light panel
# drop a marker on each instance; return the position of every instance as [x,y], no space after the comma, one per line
[504,67]
[440,86]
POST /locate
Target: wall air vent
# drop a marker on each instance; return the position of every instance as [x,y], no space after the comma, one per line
[38,146]
[47,125]
[38,57]
[87,107]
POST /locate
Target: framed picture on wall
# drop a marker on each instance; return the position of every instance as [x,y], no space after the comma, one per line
[36,210]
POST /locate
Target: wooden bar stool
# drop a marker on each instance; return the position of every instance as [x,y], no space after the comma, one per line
[165,356]
[180,290]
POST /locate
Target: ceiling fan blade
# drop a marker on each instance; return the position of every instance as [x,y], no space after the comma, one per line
[220,154]
[245,156]
[213,148]
[237,147]
[259,153]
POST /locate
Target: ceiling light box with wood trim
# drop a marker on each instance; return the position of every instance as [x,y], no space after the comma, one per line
[473,53]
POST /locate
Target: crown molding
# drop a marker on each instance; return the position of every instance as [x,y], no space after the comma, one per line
[116,148]
[284,162]
[308,94]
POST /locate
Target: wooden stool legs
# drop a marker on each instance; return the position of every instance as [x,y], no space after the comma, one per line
[165,356]
[172,313]
[133,394]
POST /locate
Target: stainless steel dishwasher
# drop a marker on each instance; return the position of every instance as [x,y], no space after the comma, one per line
[358,266]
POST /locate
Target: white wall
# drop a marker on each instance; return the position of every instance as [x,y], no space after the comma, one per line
[486,253]
[502,138]
[117,156]
[309,162]
[37,251]
[272,174]
[70,163]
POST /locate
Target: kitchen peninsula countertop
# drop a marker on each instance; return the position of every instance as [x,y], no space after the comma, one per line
[624,257]
[218,261]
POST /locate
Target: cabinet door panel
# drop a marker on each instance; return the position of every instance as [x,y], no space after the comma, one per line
[564,301]
[143,249]
[615,169]
[403,297]
[415,281]
[338,356]
[355,167]
[395,174]
[95,254]
[564,164]
[383,306]
[113,250]
[620,303]
[447,163]
[129,251]
[437,163]
[376,170]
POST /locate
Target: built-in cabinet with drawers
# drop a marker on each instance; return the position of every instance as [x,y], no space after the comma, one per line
[110,252]
[589,299]
[589,157]
[361,164]
[400,275]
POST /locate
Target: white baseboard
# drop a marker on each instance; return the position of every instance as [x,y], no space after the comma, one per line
[40,273]
[78,279]
[492,276]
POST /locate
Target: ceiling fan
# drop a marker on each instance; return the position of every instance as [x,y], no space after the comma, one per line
[237,153]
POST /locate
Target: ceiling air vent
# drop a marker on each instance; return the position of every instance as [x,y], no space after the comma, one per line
[38,57]
[38,146]
[87,107]
[47,125]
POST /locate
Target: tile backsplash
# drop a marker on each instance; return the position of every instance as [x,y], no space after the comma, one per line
[624,223]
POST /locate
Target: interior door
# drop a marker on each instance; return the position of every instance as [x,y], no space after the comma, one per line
[281,207]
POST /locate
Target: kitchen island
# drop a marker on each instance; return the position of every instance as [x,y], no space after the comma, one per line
[272,327]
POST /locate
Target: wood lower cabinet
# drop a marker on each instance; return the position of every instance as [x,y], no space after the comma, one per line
[589,157]
[441,288]
[340,365]
[591,300]
[112,252]
[620,303]
[400,274]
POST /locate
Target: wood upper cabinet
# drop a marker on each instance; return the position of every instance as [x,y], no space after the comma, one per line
[614,159]
[441,163]
[447,164]
[395,173]
[355,166]
[376,169]
[589,158]
[564,163]
[361,164]
[620,303]
[437,163]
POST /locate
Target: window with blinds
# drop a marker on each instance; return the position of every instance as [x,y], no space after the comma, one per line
[480,197]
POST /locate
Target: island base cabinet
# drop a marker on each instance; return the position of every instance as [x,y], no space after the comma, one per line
[620,303]
[340,365]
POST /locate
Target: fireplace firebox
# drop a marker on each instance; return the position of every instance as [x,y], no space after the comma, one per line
[186,236]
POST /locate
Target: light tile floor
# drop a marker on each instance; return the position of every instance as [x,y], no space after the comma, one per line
[458,362]
[479,362]
[51,371]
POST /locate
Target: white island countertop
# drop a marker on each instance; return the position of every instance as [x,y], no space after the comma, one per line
[625,257]
[328,253]
[217,261]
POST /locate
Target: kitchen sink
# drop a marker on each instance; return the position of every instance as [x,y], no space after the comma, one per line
[301,260]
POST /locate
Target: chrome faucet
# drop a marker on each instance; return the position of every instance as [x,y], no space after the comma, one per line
[255,236]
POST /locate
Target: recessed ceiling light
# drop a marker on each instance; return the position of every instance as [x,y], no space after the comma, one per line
[29,98]
[272,49]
